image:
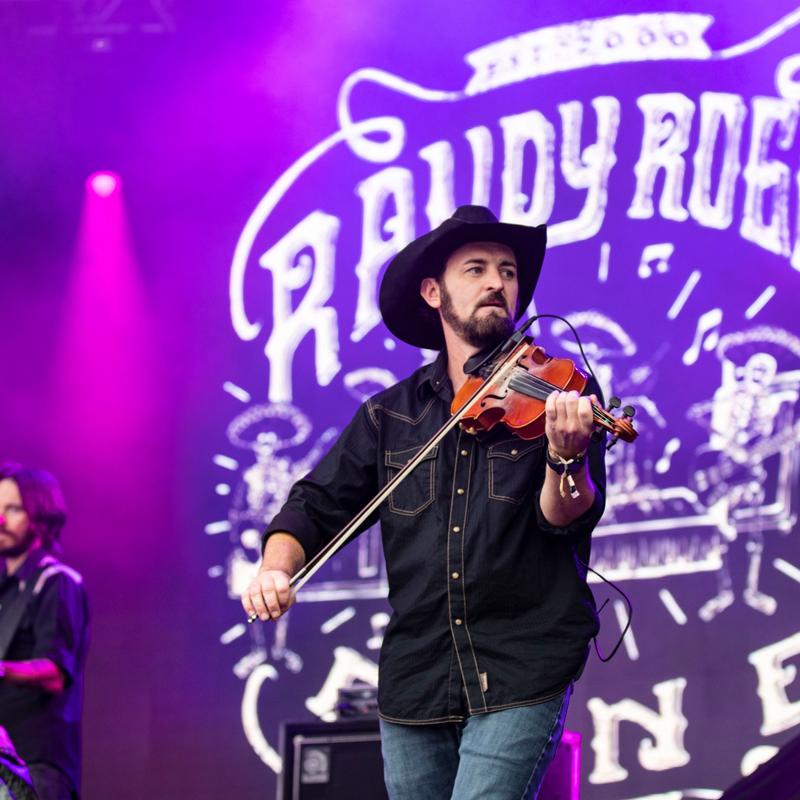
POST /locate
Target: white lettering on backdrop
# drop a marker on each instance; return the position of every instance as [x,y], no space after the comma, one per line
[669,120]
[667,727]
[774,675]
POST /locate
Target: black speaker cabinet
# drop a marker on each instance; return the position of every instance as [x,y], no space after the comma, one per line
[342,760]
[331,761]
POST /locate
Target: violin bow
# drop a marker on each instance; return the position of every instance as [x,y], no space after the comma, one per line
[305,574]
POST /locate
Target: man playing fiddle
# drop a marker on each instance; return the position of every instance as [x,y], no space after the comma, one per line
[484,549]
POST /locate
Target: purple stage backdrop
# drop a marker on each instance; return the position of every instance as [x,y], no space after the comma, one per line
[184,341]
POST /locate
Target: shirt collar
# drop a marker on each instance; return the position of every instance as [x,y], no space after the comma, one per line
[34,560]
[433,377]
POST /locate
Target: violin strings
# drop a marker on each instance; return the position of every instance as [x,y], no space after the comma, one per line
[523,378]
[529,388]
[531,380]
[542,388]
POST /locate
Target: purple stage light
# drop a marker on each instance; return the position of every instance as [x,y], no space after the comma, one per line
[103,183]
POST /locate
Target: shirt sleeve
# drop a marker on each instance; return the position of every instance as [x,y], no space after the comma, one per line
[60,623]
[331,495]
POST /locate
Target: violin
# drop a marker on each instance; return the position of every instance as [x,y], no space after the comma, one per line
[513,392]
[517,399]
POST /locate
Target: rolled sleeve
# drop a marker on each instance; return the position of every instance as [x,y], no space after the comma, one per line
[60,623]
[331,495]
[586,522]
[581,526]
[299,526]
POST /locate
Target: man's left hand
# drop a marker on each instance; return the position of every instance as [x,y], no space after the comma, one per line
[569,422]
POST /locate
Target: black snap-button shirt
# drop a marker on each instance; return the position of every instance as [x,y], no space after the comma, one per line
[491,606]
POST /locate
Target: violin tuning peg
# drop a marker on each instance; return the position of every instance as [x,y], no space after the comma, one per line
[613,402]
[597,435]
[629,412]
[612,441]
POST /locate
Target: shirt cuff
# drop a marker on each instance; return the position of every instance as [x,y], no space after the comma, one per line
[584,524]
[299,526]
[62,658]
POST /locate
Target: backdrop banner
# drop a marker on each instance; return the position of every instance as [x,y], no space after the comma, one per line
[664,160]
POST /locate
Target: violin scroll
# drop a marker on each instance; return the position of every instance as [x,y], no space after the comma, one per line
[620,428]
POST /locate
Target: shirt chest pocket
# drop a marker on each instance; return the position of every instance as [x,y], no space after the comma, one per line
[513,468]
[417,490]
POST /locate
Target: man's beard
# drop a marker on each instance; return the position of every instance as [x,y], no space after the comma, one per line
[478,331]
[21,546]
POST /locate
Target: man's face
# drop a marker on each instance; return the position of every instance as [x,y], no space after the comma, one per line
[16,532]
[477,293]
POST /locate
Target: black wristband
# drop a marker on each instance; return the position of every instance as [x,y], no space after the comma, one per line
[566,468]
[566,465]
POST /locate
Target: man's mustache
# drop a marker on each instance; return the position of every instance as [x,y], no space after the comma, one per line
[493,299]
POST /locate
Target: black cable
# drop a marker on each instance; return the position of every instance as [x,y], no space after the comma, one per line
[574,333]
[627,603]
[577,557]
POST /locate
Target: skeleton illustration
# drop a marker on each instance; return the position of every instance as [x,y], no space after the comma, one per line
[270,431]
[751,433]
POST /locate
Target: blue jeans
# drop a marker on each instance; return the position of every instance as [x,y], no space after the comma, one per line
[502,755]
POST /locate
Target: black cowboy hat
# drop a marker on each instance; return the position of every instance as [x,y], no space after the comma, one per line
[407,315]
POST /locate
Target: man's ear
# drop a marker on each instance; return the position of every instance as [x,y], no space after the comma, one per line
[429,289]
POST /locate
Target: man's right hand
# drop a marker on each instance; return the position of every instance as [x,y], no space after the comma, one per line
[269,595]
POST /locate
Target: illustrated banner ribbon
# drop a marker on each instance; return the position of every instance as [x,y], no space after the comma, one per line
[612,40]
